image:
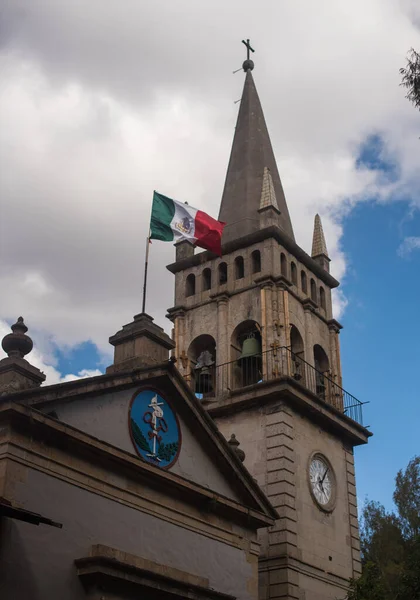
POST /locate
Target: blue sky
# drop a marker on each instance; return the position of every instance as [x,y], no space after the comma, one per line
[380,341]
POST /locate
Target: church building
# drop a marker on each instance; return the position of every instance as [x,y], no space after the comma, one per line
[213,465]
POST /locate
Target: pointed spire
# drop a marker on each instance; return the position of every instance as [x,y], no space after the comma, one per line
[268,195]
[318,241]
[319,247]
[251,155]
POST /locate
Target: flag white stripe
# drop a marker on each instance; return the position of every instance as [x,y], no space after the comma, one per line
[183,222]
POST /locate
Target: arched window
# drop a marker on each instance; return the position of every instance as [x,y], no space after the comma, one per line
[256,261]
[322,297]
[201,365]
[293,273]
[239,267]
[297,362]
[190,285]
[322,366]
[206,279]
[222,273]
[283,264]
[246,352]
[303,283]
[313,290]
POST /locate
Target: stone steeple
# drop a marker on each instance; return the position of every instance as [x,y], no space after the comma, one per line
[16,373]
[319,246]
[252,172]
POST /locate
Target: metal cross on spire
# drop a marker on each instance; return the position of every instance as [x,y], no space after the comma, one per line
[248,63]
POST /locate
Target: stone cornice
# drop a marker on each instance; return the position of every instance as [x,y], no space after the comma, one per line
[334,325]
[220,297]
[265,281]
[135,573]
[309,304]
[176,311]
[285,388]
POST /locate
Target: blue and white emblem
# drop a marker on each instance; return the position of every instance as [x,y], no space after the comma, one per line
[154,429]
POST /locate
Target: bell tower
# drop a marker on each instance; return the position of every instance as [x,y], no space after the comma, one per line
[256,339]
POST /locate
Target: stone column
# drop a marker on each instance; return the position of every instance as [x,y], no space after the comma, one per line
[353,521]
[267,333]
[308,306]
[222,345]
[335,364]
[282,326]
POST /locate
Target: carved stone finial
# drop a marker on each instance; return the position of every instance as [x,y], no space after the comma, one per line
[234,444]
[16,373]
[17,344]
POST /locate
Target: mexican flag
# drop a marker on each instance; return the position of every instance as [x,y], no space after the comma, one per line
[173,221]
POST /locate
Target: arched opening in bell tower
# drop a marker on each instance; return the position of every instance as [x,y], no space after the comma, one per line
[256,261]
[313,291]
[322,366]
[293,273]
[239,267]
[246,351]
[297,354]
[303,283]
[283,264]
[202,360]
[190,285]
[206,277]
[322,298]
[223,273]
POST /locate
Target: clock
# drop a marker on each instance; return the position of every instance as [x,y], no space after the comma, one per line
[322,482]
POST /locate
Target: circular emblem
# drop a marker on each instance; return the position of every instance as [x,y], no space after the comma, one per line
[154,429]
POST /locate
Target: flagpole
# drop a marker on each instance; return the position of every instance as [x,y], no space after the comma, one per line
[146,264]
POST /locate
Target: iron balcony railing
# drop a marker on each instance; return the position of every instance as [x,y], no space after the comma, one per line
[221,380]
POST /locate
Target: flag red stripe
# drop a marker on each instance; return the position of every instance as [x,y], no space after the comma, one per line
[208,232]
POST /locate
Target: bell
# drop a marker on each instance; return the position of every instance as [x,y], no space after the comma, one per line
[250,361]
[250,347]
[203,384]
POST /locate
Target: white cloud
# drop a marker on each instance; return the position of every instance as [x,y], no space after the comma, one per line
[100,106]
[408,245]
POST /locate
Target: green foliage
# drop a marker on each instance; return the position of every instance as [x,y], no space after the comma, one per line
[411,78]
[139,437]
[167,451]
[407,498]
[410,580]
[390,544]
[368,586]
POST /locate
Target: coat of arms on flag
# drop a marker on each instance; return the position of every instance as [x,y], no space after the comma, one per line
[154,429]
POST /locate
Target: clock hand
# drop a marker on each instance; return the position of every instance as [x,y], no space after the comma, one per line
[326,471]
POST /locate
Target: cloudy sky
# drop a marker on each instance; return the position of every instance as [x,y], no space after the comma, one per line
[103,101]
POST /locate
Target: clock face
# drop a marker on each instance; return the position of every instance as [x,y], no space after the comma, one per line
[322,481]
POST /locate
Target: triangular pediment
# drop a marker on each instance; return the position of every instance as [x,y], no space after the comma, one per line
[119,410]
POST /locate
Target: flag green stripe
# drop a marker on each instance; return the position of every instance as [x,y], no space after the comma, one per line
[163,210]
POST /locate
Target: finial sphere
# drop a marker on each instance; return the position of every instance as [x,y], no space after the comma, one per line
[248,65]
[17,344]
[233,443]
